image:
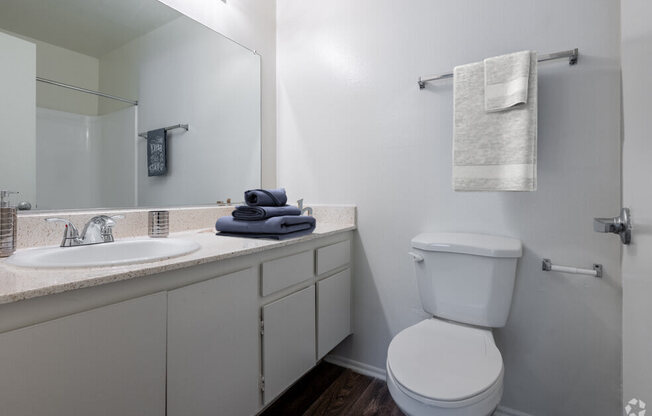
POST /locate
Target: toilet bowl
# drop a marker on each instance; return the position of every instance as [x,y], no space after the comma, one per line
[449,365]
[439,368]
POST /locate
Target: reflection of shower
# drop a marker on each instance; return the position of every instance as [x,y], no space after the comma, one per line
[100,155]
[87,91]
[102,147]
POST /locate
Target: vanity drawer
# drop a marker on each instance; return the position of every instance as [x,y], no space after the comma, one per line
[333,256]
[287,271]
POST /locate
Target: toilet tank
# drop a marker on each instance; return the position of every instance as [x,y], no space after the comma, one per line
[466,278]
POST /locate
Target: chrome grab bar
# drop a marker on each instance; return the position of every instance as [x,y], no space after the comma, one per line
[547,266]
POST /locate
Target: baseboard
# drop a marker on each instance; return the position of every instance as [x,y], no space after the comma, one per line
[506,411]
[357,366]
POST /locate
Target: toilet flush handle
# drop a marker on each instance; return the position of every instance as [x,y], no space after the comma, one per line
[416,257]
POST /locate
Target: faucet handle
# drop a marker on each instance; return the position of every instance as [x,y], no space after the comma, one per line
[110,222]
[70,227]
[103,226]
[106,225]
[70,232]
[106,220]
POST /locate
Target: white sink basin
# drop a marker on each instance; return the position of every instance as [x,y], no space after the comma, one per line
[121,252]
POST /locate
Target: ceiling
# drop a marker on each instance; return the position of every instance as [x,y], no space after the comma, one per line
[91,27]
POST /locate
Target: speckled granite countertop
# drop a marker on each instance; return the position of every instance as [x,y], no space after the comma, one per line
[18,283]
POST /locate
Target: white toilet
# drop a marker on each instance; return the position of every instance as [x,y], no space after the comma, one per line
[449,365]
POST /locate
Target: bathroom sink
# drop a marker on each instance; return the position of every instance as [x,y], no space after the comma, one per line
[122,252]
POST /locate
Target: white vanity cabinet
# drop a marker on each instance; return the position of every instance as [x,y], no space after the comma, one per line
[105,361]
[220,338]
[212,361]
[312,315]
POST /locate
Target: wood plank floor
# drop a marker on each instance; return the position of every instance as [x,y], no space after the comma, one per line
[332,390]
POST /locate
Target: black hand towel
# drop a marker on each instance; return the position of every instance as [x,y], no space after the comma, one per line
[157,157]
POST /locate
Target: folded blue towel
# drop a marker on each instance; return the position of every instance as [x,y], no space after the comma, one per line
[269,227]
[270,236]
[245,213]
[264,197]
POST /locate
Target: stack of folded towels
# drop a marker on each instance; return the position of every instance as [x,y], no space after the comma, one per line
[266,215]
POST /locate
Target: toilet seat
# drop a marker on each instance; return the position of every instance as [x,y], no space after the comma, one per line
[445,364]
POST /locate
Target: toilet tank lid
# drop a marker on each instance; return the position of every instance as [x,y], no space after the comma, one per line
[467,243]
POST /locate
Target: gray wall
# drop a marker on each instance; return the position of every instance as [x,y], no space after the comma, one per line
[354,128]
[637,153]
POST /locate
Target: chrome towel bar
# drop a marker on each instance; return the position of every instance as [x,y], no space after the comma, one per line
[547,266]
[176,126]
[571,54]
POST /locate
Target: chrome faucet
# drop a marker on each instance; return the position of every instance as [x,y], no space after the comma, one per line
[97,230]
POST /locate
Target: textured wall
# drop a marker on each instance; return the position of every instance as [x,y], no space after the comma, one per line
[354,128]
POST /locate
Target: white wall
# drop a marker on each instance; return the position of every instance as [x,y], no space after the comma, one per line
[637,153]
[251,23]
[66,155]
[117,160]
[17,117]
[85,161]
[67,66]
[216,93]
[353,127]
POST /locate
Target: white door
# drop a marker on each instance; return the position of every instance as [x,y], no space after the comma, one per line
[637,194]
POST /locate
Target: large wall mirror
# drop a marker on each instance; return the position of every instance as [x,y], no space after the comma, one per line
[88,88]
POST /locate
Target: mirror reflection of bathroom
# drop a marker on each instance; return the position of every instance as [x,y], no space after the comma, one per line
[96,75]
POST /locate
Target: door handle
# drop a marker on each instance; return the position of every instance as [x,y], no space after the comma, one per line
[621,225]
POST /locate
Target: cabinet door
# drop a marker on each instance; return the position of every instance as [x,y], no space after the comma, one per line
[106,361]
[213,347]
[333,311]
[288,341]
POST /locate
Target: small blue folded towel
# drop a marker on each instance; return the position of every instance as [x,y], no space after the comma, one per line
[245,213]
[266,198]
[278,228]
